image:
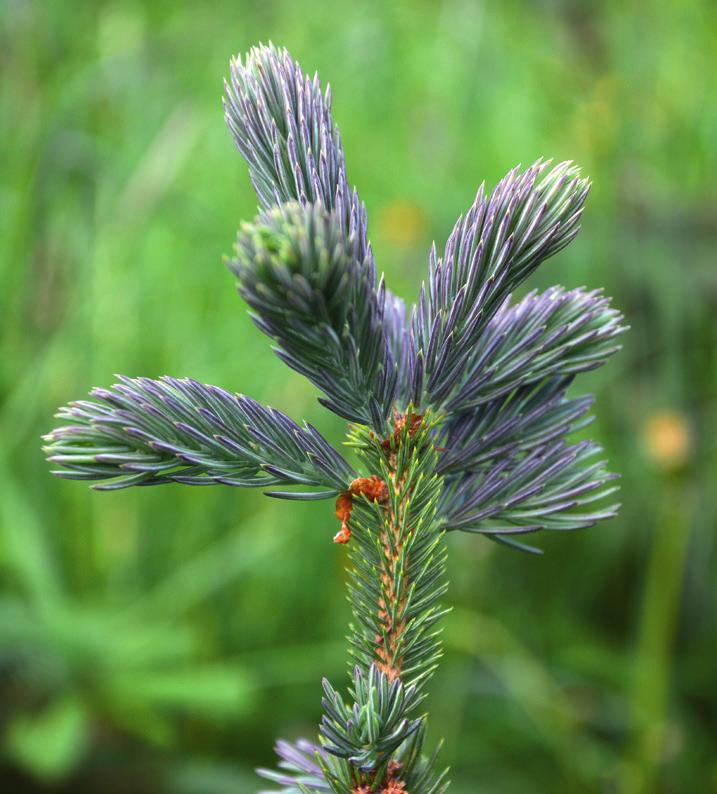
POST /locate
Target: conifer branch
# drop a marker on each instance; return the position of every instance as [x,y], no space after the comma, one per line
[150,432]
[552,486]
[282,124]
[557,332]
[515,422]
[375,726]
[492,249]
[311,292]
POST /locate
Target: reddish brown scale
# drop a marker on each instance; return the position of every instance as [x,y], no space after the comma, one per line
[344,506]
[390,785]
[399,423]
[395,787]
[394,767]
[373,488]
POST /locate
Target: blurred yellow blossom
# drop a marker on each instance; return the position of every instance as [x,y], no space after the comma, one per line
[402,223]
[667,439]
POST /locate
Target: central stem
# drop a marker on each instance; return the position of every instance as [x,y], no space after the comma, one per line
[391,603]
[396,581]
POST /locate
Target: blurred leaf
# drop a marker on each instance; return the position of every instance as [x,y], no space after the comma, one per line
[555,718]
[215,692]
[23,548]
[215,568]
[210,777]
[49,743]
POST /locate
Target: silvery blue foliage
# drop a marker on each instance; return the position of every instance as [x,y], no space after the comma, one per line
[281,122]
[311,291]
[462,406]
[298,765]
[149,432]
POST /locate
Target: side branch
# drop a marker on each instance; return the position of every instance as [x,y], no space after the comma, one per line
[149,432]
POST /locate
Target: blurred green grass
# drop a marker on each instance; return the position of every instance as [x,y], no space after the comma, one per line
[160,640]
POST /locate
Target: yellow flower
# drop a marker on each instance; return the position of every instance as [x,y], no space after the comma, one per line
[667,439]
[402,223]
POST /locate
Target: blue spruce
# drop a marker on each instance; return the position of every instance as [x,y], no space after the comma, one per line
[460,408]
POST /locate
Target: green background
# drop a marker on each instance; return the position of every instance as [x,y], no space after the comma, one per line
[159,640]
